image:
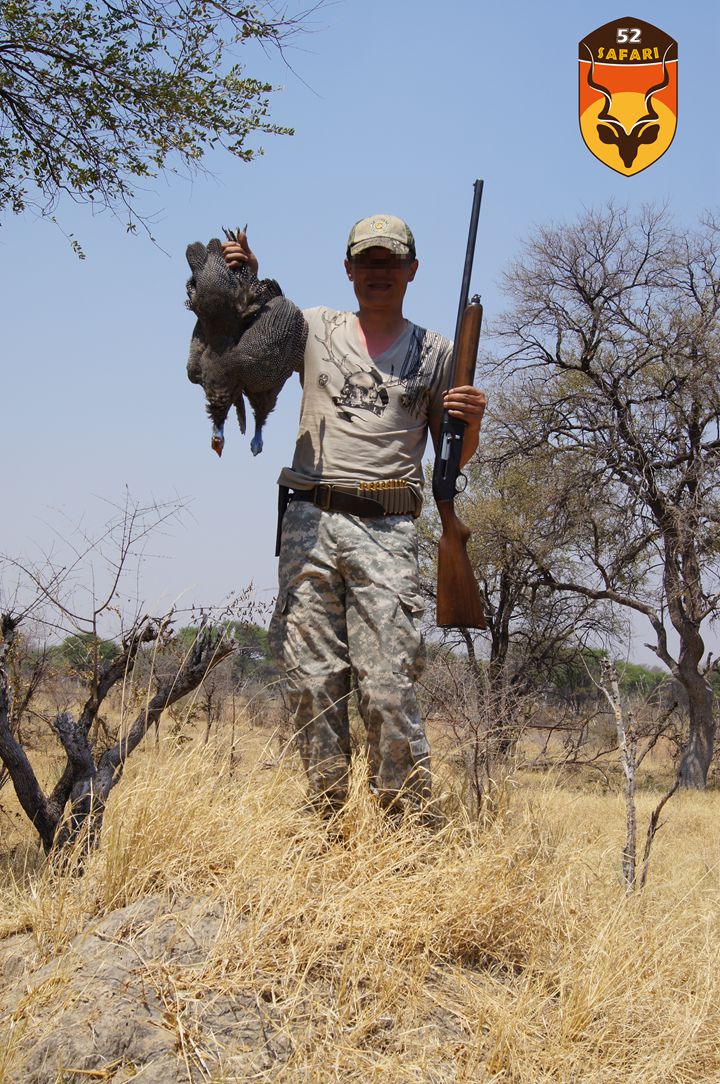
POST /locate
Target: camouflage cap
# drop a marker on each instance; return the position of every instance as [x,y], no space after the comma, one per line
[385,231]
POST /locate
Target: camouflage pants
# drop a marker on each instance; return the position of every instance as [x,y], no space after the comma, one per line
[349,602]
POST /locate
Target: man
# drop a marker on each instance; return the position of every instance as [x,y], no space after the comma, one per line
[349,600]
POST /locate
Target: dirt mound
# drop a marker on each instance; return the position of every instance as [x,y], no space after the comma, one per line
[125,1002]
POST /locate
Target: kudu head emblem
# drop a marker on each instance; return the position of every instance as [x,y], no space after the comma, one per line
[612,130]
[628,93]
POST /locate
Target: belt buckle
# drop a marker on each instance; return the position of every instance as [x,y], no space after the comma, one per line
[323,497]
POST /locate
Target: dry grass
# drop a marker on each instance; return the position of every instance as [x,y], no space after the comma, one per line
[505,951]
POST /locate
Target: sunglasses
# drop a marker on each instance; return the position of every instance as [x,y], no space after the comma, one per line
[390,263]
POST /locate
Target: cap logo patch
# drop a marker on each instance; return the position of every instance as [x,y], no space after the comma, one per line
[380,224]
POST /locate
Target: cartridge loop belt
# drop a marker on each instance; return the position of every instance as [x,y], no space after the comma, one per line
[391,497]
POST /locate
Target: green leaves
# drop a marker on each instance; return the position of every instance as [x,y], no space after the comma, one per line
[83,652]
[95,96]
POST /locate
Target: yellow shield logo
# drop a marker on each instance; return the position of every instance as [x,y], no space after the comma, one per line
[628,93]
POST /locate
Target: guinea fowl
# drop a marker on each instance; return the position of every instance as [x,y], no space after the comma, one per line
[247,341]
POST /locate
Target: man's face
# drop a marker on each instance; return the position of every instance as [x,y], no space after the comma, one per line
[380,278]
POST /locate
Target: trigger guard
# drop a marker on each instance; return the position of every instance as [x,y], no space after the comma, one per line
[458,487]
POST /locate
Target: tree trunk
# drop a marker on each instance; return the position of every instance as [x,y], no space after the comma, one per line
[698,752]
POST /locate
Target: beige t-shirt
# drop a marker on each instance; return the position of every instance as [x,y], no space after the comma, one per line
[363,418]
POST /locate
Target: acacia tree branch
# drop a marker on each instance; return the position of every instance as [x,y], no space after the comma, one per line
[95,97]
[653,827]
[621,599]
[12,754]
[91,785]
[210,648]
[112,671]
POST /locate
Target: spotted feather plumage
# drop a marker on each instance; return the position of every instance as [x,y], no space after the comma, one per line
[247,341]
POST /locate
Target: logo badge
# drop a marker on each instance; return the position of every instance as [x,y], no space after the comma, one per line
[628,93]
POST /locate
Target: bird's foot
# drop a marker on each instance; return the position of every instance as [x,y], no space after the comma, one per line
[234,235]
[256,444]
[217,442]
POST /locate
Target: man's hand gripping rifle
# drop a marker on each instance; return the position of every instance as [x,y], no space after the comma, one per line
[459,604]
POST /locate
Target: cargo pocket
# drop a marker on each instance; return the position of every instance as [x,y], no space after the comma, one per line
[409,653]
[277,631]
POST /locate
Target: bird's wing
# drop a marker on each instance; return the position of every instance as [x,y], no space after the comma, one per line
[197,345]
[285,332]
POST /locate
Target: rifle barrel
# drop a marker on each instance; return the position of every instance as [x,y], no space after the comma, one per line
[469,254]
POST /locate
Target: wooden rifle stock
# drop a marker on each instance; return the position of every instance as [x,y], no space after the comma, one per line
[459,604]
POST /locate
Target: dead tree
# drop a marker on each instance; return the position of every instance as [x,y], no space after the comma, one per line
[85,782]
[77,594]
[627,748]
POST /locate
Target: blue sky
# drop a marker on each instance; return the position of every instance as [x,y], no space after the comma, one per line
[397,107]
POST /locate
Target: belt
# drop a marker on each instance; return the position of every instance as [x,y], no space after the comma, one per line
[332,499]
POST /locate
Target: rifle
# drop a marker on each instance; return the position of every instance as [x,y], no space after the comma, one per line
[459,604]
